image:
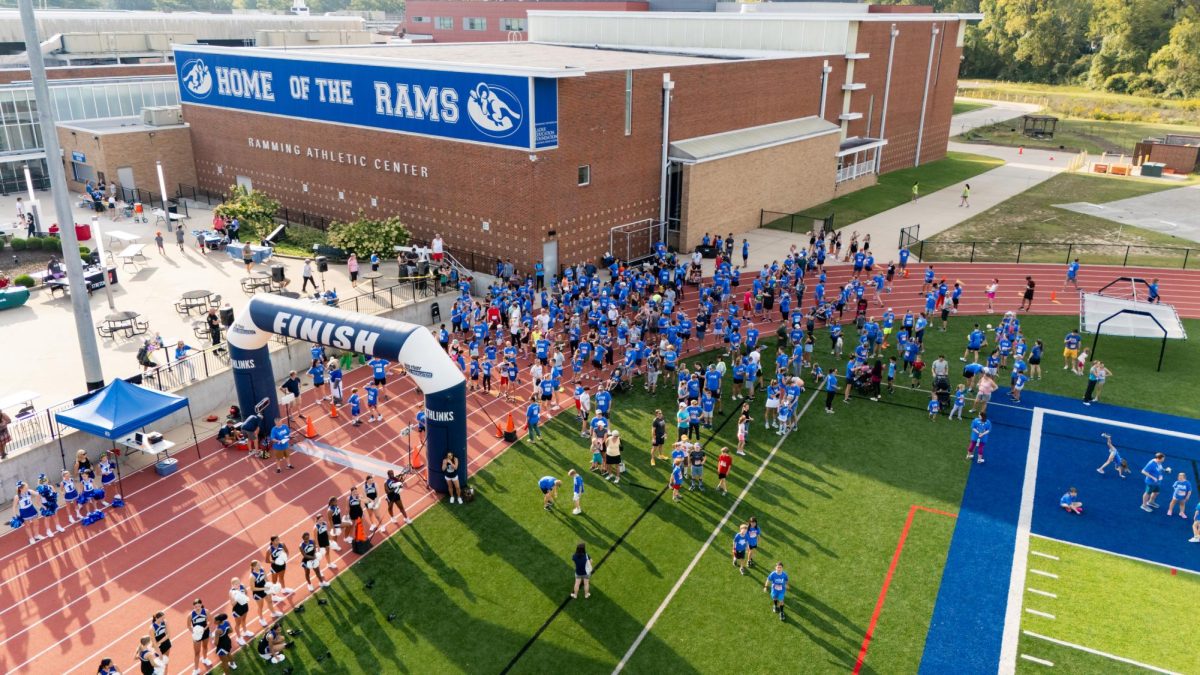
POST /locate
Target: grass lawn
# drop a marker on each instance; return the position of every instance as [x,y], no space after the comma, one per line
[484,587]
[1032,217]
[895,188]
[1083,103]
[967,106]
[1092,610]
[1073,135]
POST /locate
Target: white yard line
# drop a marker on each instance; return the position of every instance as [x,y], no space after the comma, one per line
[708,543]
[1050,575]
[1040,662]
[1016,581]
[1044,594]
[1119,555]
[1044,555]
[1097,652]
[1044,615]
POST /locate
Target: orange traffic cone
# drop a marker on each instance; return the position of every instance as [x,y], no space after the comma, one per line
[418,461]
[510,430]
[1021,150]
[309,430]
[1053,296]
[360,532]
[499,431]
[905,275]
[333,413]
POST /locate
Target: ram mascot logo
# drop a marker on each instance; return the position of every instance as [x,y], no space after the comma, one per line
[494,110]
[197,78]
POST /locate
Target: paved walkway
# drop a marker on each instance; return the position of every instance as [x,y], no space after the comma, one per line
[997,111]
[40,338]
[1172,212]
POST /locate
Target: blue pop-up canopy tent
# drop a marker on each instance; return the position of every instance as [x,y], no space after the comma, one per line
[120,408]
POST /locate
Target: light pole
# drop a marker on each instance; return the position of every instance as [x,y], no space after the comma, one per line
[89,350]
[162,189]
[103,267]
[33,208]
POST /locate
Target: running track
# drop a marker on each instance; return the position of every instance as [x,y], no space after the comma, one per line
[89,593]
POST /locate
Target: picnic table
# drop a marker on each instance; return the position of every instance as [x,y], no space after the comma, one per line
[124,322]
[198,299]
[161,216]
[22,400]
[254,282]
[132,255]
[123,238]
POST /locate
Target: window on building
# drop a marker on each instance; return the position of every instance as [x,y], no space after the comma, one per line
[474,23]
[628,102]
[585,174]
[444,23]
[419,19]
[513,24]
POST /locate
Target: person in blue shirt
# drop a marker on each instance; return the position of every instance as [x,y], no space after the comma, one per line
[928,285]
[741,542]
[379,372]
[1072,274]
[904,254]
[777,585]
[549,487]
[373,414]
[603,402]
[1153,473]
[355,406]
[1114,458]
[831,388]
[576,491]
[317,372]
[1071,504]
[1152,290]
[933,407]
[676,473]
[1018,385]
[280,436]
[745,252]
[1181,492]
[753,533]
[533,415]
[980,429]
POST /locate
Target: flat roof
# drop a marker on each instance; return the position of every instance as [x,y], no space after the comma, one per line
[739,141]
[115,125]
[521,55]
[879,17]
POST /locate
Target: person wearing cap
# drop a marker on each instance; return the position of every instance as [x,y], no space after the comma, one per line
[612,456]
[181,356]
[158,241]
[307,275]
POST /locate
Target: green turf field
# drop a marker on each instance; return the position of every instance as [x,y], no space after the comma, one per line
[1097,607]
[484,587]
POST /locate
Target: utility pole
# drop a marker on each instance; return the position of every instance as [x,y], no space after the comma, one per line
[89,350]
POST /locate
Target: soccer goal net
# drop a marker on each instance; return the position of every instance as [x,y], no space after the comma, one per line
[1129,318]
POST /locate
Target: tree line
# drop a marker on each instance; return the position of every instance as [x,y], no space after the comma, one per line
[1147,47]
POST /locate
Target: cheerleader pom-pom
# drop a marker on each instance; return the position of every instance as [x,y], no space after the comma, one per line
[98,493]
[88,519]
[47,512]
[82,500]
[118,502]
[16,522]
[99,515]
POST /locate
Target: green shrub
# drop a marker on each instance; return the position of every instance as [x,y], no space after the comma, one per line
[24,280]
[20,244]
[51,244]
[366,235]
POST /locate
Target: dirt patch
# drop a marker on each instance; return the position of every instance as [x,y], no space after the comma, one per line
[14,263]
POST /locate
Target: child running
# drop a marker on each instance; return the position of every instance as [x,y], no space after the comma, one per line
[777,585]
[741,542]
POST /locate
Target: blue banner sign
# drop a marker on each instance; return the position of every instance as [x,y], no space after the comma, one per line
[502,110]
[79,157]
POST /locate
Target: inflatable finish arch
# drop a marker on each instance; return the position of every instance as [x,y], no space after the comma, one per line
[413,346]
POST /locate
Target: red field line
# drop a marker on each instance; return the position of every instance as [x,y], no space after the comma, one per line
[887,580]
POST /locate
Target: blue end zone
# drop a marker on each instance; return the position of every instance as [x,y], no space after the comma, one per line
[968,620]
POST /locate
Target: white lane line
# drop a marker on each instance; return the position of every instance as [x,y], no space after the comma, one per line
[1044,573]
[1045,594]
[1016,580]
[1040,662]
[1097,652]
[1043,555]
[1044,615]
[707,544]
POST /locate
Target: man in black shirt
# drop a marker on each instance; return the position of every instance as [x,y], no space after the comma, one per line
[228,434]
[291,385]
[658,430]
[214,326]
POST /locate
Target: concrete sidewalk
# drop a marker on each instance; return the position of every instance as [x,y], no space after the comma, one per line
[997,111]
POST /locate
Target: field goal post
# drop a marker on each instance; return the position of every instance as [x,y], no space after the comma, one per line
[635,242]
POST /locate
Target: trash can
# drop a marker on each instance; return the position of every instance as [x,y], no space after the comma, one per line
[1153,169]
[172,206]
[83,231]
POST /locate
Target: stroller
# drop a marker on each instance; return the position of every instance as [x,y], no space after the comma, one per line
[861,380]
[941,387]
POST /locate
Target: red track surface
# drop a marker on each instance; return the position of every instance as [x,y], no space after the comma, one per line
[90,592]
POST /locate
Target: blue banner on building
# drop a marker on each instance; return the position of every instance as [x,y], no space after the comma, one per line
[503,110]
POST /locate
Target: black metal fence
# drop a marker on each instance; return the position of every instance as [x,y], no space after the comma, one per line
[910,236]
[151,200]
[197,194]
[796,222]
[1057,252]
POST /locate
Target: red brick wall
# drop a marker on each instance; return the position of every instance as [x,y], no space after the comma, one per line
[521,199]
[1178,158]
[908,82]
[138,150]
[494,11]
[10,76]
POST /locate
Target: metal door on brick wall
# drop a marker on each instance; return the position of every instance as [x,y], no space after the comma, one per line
[244,181]
[550,258]
[125,177]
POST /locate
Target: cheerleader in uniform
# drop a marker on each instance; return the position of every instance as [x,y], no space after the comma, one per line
[198,620]
[322,530]
[24,509]
[87,497]
[371,491]
[149,661]
[70,494]
[277,557]
[310,562]
[335,522]
[162,637]
[356,509]
[224,635]
[240,600]
[49,498]
[108,473]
